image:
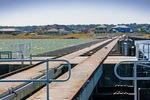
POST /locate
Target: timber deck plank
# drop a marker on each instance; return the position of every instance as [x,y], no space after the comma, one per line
[79,74]
[37,71]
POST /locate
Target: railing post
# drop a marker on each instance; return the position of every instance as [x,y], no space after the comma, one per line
[22,59]
[47,80]
[30,59]
[135,81]
[12,50]
[16,51]
[135,78]
[137,50]
[148,51]
[26,45]
[47,65]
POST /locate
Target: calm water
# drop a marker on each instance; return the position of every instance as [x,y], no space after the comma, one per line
[42,45]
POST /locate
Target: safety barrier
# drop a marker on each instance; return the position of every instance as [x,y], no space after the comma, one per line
[143,51]
[134,78]
[148,48]
[38,80]
[21,51]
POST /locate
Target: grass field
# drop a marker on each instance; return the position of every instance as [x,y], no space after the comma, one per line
[69,36]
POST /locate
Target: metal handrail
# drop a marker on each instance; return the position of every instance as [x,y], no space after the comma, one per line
[47,73]
[21,49]
[142,50]
[148,44]
[148,49]
[135,78]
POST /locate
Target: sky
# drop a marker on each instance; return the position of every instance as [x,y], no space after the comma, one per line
[67,12]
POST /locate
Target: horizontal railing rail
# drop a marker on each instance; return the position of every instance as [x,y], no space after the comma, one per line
[47,80]
[134,78]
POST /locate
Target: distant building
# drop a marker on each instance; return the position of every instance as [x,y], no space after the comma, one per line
[64,32]
[122,29]
[59,29]
[63,27]
[101,29]
[10,30]
[44,28]
[144,28]
[55,31]
[85,31]
[76,31]
[52,31]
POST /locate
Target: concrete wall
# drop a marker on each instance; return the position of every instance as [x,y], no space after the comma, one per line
[28,89]
[6,68]
[108,77]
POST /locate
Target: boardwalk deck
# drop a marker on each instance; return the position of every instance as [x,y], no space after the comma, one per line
[19,63]
[117,59]
[40,69]
[80,73]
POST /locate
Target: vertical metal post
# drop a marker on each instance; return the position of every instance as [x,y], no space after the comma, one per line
[47,79]
[20,53]
[148,52]
[135,82]
[30,59]
[22,59]
[8,55]
[137,49]
[29,48]
[26,49]
[139,93]
[12,50]
[143,53]
[16,51]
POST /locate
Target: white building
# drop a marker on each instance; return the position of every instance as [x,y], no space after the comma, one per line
[101,29]
[53,31]
[57,31]
[10,30]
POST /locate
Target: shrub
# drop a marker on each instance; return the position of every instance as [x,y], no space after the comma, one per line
[3,33]
[26,34]
[14,34]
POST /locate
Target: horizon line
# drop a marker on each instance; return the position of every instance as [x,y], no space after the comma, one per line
[67,24]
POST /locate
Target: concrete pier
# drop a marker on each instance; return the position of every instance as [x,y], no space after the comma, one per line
[40,70]
[88,74]
[80,75]
[117,59]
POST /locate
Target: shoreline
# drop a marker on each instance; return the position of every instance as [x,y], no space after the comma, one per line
[49,37]
[37,37]
[76,36]
[147,36]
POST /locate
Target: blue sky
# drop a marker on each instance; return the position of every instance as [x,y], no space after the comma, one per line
[43,12]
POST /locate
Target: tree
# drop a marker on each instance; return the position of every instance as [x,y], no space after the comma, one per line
[26,34]
[3,33]
[143,31]
[14,34]
[38,31]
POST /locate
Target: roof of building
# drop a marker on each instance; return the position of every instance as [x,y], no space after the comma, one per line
[101,26]
[61,30]
[10,30]
[53,30]
[114,30]
[47,28]
[144,27]
[121,26]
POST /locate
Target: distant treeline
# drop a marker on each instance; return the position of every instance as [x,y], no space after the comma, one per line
[133,26]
